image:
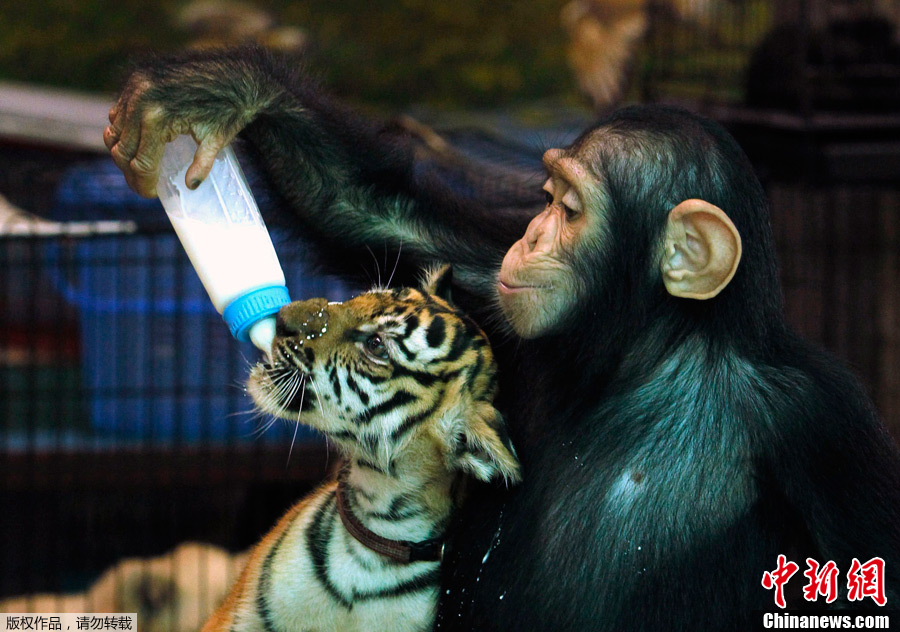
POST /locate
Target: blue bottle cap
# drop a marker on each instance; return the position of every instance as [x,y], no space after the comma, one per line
[243,312]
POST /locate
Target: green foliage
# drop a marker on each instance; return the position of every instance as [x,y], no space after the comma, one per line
[468,53]
[397,52]
[438,52]
[80,43]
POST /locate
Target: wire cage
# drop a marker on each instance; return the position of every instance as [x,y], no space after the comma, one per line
[124,427]
[699,50]
[804,56]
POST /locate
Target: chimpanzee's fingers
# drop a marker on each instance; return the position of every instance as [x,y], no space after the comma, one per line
[110,137]
[209,147]
[125,134]
[144,167]
[114,129]
[138,146]
[111,133]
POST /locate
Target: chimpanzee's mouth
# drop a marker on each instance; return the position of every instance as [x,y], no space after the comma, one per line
[511,288]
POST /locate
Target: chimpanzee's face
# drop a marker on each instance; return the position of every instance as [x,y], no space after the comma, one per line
[537,285]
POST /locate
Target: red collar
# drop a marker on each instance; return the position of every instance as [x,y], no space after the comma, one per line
[397,550]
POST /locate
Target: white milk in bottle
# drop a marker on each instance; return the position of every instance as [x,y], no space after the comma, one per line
[225,238]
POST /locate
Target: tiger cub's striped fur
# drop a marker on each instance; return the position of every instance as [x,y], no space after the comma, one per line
[403,383]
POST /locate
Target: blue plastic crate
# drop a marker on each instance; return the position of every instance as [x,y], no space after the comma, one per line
[158,362]
[96,190]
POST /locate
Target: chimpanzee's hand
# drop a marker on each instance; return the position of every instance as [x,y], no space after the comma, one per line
[210,97]
[139,129]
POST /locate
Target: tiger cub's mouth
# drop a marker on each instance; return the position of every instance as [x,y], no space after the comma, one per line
[280,387]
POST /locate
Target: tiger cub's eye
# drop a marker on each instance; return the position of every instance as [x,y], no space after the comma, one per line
[375,346]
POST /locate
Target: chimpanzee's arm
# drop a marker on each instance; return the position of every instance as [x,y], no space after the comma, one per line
[351,182]
[837,467]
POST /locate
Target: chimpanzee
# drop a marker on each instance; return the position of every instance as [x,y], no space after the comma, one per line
[676,437]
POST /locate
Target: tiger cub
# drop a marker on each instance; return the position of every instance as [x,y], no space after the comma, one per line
[403,383]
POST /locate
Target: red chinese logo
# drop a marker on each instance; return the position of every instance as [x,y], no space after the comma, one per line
[863,580]
[867,580]
[778,578]
[821,582]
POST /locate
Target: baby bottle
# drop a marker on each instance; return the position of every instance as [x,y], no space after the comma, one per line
[222,231]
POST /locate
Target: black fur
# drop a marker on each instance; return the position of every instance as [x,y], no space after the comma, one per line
[319,156]
[673,448]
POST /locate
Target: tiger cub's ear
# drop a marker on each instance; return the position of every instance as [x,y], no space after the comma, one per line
[437,281]
[483,448]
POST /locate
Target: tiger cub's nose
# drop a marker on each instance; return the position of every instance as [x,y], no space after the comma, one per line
[303,318]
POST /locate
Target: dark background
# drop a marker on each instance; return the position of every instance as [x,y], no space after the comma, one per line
[96,461]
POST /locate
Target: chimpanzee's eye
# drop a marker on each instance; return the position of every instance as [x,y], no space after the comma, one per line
[548,197]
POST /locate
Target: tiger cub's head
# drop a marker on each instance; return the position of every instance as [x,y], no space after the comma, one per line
[391,376]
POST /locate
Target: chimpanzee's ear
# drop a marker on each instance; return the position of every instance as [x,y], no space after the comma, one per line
[437,281]
[702,250]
